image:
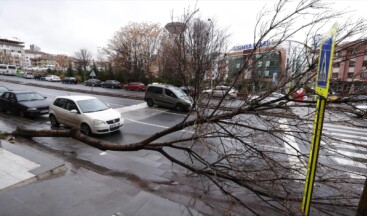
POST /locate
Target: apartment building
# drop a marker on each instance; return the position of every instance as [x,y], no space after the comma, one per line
[350,61]
[12,52]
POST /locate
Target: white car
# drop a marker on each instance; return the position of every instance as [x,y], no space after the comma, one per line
[28,75]
[219,91]
[272,99]
[52,78]
[86,113]
[361,110]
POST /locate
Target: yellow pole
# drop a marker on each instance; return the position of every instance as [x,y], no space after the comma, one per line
[314,153]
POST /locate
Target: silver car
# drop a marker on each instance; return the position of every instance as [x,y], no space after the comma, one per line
[220,91]
[86,113]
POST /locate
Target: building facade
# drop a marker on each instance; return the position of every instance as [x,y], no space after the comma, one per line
[263,66]
[349,73]
[12,52]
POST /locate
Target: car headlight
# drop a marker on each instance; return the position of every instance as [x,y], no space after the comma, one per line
[98,122]
[188,101]
[31,108]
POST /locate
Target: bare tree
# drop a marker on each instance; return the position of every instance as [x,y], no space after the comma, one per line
[83,58]
[133,48]
[246,148]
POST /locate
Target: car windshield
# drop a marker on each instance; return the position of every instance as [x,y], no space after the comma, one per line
[92,105]
[2,89]
[178,92]
[31,96]
[276,95]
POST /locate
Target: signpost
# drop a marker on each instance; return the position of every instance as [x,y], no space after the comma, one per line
[322,89]
[92,74]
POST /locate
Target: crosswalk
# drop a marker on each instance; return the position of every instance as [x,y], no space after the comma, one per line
[346,148]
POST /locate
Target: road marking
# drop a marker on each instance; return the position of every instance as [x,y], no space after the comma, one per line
[291,146]
[155,125]
[132,107]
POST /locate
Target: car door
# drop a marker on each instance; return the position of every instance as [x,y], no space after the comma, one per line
[72,114]
[169,98]
[217,91]
[4,101]
[59,110]
[12,104]
[157,95]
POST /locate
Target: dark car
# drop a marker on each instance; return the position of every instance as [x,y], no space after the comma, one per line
[135,86]
[69,80]
[93,82]
[3,89]
[111,84]
[24,103]
[39,76]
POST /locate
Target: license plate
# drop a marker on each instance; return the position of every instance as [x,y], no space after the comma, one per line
[114,125]
[44,111]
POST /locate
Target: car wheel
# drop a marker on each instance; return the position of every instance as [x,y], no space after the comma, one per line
[21,113]
[86,129]
[112,87]
[54,121]
[150,102]
[180,107]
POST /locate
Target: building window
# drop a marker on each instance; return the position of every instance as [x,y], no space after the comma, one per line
[334,75]
[364,64]
[336,64]
[352,63]
[350,75]
[364,75]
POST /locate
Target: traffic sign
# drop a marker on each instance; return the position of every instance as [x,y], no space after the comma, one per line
[92,74]
[325,63]
[322,89]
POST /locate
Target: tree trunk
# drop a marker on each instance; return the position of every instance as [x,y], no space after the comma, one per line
[362,207]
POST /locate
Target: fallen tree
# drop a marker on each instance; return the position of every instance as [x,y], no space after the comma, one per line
[248,145]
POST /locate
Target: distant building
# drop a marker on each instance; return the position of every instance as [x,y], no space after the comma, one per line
[350,61]
[12,52]
[349,73]
[264,66]
[35,48]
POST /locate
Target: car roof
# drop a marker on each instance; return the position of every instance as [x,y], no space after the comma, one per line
[162,85]
[77,97]
[22,91]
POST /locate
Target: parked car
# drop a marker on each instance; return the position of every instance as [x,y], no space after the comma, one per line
[86,113]
[361,110]
[51,78]
[28,75]
[24,103]
[135,86]
[39,76]
[93,82]
[111,84]
[69,80]
[274,98]
[167,96]
[3,89]
[220,91]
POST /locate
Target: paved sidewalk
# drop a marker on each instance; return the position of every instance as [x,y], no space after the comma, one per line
[20,165]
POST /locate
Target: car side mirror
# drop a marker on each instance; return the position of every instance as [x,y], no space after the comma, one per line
[44,97]
[74,111]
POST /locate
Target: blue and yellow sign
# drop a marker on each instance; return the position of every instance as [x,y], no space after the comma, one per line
[322,89]
[325,63]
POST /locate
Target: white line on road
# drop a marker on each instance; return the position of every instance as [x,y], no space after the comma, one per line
[131,108]
[155,125]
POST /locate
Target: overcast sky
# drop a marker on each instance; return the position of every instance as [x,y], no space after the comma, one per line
[64,27]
